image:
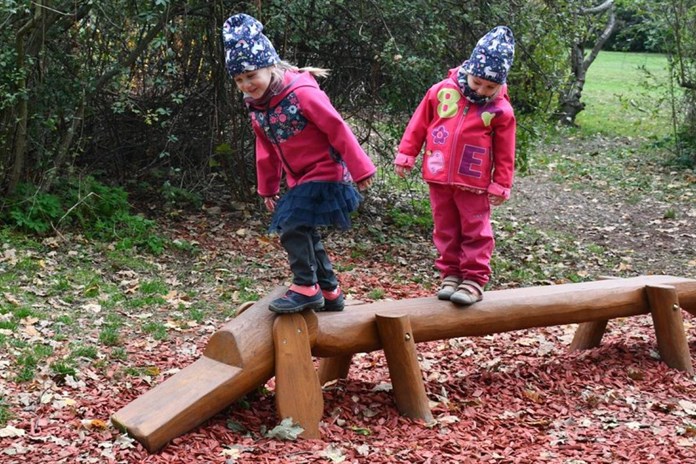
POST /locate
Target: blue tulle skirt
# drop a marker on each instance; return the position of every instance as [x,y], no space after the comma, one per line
[316,204]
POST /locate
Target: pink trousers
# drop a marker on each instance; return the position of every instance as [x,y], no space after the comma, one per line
[463,234]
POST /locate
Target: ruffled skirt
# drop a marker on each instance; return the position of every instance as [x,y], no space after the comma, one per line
[316,204]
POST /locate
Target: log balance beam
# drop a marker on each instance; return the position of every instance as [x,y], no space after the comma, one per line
[256,345]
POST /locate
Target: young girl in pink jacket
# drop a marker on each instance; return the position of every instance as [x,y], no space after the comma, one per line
[468,126]
[299,136]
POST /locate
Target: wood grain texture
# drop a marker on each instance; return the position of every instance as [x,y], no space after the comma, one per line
[238,358]
[298,393]
[241,356]
[404,370]
[669,327]
[500,311]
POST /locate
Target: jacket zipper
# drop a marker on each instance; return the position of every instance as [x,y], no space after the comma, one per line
[453,151]
[277,144]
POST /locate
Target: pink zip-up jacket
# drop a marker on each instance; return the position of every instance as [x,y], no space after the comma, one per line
[466,144]
[299,131]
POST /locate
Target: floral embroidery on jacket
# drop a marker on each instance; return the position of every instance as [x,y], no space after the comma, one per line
[282,121]
[440,135]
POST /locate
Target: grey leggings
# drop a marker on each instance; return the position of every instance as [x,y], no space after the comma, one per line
[308,259]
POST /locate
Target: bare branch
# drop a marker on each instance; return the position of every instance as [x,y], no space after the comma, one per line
[145,41]
[600,8]
[602,39]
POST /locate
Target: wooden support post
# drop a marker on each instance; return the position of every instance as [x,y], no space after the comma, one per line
[334,368]
[399,347]
[669,327]
[588,335]
[298,392]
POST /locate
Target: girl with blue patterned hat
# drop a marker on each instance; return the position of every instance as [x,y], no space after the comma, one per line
[301,138]
[465,126]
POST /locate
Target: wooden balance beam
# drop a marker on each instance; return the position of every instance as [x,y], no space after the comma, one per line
[248,350]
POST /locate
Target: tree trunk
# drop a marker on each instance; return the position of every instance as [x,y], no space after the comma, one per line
[570,104]
[32,33]
[19,141]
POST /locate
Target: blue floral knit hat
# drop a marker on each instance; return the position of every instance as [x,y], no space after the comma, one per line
[246,48]
[492,56]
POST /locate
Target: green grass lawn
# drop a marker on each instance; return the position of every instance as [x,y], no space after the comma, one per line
[627,94]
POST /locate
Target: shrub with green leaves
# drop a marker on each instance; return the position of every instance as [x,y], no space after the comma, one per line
[33,211]
[98,211]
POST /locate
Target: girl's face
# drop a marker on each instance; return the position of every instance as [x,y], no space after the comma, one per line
[254,83]
[483,87]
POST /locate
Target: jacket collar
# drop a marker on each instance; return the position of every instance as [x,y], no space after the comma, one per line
[279,89]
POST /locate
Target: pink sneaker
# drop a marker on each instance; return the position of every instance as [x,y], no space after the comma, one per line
[333,300]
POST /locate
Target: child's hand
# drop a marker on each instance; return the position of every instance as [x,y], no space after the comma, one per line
[401,171]
[495,200]
[365,183]
[270,202]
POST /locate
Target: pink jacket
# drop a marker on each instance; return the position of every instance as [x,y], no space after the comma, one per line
[300,132]
[466,144]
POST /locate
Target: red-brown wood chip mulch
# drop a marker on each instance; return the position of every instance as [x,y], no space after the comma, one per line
[516,397]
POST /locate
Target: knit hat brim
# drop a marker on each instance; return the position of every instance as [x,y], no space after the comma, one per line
[492,56]
[246,47]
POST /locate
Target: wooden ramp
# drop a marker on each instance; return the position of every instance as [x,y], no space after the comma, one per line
[238,359]
[248,350]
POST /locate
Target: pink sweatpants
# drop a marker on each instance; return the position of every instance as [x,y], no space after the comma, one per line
[463,234]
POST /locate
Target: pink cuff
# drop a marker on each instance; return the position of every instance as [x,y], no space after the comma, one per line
[267,195]
[499,190]
[405,160]
[305,290]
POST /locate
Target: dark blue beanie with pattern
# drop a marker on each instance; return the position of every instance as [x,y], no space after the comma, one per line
[492,56]
[246,47]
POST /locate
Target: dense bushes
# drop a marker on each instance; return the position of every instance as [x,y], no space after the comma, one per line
[133,91]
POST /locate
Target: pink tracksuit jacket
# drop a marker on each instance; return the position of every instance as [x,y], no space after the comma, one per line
[299,131]
[469,150]
[465,144]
